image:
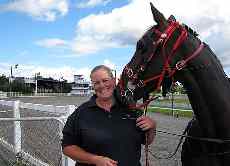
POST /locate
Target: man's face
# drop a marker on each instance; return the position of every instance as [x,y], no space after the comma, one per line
[103,84]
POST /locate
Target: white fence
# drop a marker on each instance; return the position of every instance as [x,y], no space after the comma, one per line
[23,134]
[3,94]
[19,94]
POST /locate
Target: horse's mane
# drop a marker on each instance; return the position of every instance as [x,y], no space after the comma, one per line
[195,34]
[190,30]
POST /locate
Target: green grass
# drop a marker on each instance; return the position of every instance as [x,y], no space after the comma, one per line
[164,111]
[179,101]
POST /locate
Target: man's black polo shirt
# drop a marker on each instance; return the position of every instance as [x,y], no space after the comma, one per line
[112,134]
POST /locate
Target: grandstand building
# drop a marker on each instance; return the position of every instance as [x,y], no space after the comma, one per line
[81,87]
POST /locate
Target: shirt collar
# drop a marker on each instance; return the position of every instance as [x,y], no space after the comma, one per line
[92,101]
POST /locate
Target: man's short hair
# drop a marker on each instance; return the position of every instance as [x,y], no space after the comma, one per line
[99,67]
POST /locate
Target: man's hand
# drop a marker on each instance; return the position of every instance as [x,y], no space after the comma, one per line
[104,161]
[146,123]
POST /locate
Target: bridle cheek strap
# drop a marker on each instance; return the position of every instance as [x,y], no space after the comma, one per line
[179,66]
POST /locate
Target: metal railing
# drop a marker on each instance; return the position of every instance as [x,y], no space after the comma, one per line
[34,131]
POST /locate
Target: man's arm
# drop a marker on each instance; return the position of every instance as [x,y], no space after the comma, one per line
[78,154]
[149,126]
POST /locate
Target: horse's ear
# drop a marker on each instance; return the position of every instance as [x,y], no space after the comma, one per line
[172,18]
[158,16]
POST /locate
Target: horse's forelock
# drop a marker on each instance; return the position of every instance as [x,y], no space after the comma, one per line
[148,29]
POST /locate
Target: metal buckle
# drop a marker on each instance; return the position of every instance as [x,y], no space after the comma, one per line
[129,72]
[180,65]
[163,35]
[128,91]
[123,93]
[140,84]
[142,68]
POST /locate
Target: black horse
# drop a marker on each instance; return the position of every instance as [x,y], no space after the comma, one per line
[173,51]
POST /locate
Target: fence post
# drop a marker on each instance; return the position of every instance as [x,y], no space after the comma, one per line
[17,128]
[66,161]
[70,110]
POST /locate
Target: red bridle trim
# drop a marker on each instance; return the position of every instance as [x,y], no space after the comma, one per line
[139,106]
[163,38]
[179,66]
[166,67]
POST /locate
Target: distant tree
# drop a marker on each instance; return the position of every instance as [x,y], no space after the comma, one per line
[66,87]
[4,83]
[179,88]
[20,86]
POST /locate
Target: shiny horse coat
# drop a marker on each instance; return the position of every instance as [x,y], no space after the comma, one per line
[171,50]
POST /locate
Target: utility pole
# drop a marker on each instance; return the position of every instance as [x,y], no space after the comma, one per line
[11,76]
[36,83]
[61,79]
[115,75]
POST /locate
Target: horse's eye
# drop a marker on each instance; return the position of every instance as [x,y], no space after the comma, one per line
[151,34]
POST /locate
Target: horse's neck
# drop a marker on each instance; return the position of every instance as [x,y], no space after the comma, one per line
[209,91]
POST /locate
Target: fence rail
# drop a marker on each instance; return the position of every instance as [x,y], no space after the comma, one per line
[20,94]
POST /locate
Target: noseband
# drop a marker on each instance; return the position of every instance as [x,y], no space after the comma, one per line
[163,38]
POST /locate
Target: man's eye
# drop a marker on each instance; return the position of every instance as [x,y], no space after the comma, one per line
[105,81]
[95,83]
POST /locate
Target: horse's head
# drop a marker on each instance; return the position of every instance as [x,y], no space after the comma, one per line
[150,66]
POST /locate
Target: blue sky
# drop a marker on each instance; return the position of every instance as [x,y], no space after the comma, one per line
[60,38]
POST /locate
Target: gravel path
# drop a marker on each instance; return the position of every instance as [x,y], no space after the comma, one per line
[163,146]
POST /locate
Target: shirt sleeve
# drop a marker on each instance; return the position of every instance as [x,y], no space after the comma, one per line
[71,134]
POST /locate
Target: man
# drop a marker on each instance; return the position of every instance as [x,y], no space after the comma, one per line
[103,132]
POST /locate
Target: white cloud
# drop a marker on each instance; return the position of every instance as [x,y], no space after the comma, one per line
[5,69]
[115,70]
[47,10]
[92,3]
[91,44]
[125,25]
[119,28]
[225,59]
[110,64]
[66,72]
[52,42]
[28,70]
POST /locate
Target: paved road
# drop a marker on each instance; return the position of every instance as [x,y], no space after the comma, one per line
[52,100]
